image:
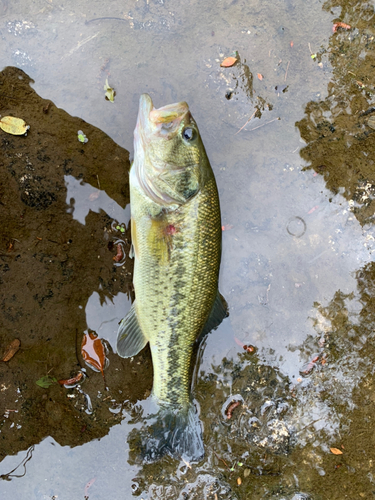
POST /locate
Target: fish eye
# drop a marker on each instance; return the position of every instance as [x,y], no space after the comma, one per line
[189,134]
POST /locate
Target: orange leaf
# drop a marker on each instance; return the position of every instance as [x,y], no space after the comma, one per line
[11,350]
[260,76]
[338,25]
[228,62]
[336,451]
[93,352]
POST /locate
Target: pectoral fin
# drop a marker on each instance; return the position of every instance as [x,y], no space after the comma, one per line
[130,338]
[219,311]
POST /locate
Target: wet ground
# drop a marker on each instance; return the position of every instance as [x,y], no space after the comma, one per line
[289,131]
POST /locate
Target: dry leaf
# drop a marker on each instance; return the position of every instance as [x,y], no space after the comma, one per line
[239,481]
[338,25]
[93,352]
[260,77]
[11,350]
[371,122]
[228,62]
[14,126]
[336,451]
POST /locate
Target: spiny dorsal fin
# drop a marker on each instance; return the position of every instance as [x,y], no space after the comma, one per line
[130,338]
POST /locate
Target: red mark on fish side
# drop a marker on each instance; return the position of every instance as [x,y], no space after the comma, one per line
[170,230]
[312,210]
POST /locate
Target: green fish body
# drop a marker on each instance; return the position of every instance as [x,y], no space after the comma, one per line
[176,241]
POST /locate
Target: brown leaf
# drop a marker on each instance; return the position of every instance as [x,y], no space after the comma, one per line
[93,352]
[338,25]
[228,62]
[11,350]
[336,451]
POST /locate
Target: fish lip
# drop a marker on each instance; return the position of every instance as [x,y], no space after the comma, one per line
[145,107]
[153,120]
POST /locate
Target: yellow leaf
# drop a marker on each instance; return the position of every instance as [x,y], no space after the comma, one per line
[14,126]
[110,92]
[228,62]
[336,451]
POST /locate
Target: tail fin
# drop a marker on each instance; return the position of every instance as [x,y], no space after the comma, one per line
[174,431]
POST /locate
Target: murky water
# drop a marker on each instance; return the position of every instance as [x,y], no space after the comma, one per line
[290,137]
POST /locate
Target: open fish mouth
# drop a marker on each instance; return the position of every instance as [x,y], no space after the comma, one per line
[166,118]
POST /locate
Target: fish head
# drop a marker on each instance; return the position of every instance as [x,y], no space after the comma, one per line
[169,156]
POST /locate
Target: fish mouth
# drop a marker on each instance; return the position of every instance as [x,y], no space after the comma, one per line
[152,126]
[166,118]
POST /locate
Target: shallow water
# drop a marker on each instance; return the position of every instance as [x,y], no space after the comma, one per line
[296,184]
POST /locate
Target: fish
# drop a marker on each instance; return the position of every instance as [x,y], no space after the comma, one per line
[176,244]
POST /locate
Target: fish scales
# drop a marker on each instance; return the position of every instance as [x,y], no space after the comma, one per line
[176,243]
[176,283]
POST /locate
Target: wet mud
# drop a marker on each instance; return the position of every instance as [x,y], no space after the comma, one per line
[50,264]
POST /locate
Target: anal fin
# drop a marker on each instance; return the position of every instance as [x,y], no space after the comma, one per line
[130,338]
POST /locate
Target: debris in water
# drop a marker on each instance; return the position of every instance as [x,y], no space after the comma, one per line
[249,348]
[371,122]
[120,254]
[109,92]
[307,368]
[14,126]
[90,483]
[81,137]
[338,25]
[93,352]
[229,62]
[46,381]
[260,76]
[72,381]
[11,350]
[336,451]
[231,408]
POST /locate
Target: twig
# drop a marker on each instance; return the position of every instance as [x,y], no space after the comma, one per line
[246,123]
[278,118]
[286,71]
[10,474]
[79,45]
[97,176]
[107,18]
[222,459]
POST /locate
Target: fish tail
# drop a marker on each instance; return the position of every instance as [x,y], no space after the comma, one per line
[175,431]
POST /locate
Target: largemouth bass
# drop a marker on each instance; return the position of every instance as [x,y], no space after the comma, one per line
[176,242]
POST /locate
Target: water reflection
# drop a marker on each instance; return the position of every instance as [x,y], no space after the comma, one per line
[337,130]
[295,298]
